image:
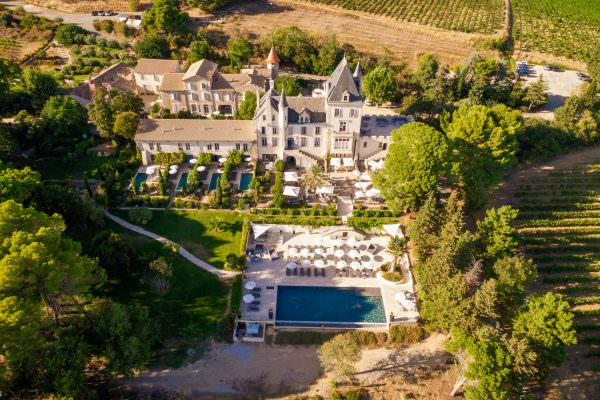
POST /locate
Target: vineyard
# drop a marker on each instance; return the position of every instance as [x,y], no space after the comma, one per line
[473,16]
[8,47]
[559,222]
[569,28]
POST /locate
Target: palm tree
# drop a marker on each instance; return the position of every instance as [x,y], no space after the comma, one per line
[397,247]
[218,224]
[314,177]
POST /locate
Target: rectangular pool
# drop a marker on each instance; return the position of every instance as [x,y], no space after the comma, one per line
[245,179]
[182,184]
[213,181]
[140,178]
[329,306]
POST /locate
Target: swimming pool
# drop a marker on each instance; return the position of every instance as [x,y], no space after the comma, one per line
[182,184]
[140,178]
[245,179]
[213,181]
[329,306]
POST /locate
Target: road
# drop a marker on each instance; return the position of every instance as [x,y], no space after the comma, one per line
[85,20]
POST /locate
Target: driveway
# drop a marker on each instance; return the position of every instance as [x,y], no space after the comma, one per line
[560,86]
[85,20]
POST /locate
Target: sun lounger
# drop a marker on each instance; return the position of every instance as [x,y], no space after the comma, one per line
[255,303]
[347,273]
[301,271]
[256,295]
[253,308]
[288,271]
[308,272]
[323,272]
[256,289]
[295,271]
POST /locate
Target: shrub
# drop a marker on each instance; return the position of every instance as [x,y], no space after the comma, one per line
[234,262]
[367,338]
[244,234]
[393,276]
[107,25]
[405,334]
[140,215]
[69,34]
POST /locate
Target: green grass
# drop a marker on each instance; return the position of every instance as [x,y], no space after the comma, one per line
[192,229]
[188,314]
[57,169]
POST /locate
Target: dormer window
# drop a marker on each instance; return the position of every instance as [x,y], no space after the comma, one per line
[345,96]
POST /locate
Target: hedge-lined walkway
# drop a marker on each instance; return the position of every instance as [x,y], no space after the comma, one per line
[184,253]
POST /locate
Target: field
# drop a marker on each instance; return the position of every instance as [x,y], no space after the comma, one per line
[87,5]
[480,16]
[568,28]
[559,221]
[18,43]
[193,230]
[368,33]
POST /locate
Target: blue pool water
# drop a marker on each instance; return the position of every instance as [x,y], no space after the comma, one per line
[140,178]
[312,304]
[245,179]
[213,181]
[182,184]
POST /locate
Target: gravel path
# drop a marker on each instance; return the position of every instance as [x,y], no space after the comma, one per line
[184,253]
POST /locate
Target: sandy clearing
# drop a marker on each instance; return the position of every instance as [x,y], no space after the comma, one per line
[368,33]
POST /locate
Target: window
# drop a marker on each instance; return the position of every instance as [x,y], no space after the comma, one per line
[216,146]
[238,146]
[317,142]
[303,130]
[151,145]
[191,86]
[343,126]
[206,109]
[175,107]
[194,108]
[264,117]
[272,118]
[341,144]
[385,146]
[179,146]
[206,96]
[203,86]
[142,77]
[217,97]
[353,113]
[187,146]
[263,142]
[290,130]
[317,130]
[158,146]
[209,146]
[155,78]
[337,112]
[245,146]
[303,142]
[174,96]
[274,131]
[345,96]
[263,130]
[274,142]
[194,97]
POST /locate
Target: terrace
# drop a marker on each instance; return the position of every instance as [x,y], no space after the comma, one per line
[318,260]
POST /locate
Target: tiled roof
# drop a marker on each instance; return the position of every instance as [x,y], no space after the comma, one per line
[173,81]
[195,130]
[156,66]
[203,68]
[314,105]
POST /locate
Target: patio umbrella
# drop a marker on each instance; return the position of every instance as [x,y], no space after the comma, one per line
[201,168]
[172,171]
[341,264]
[305,263]
[151,169]
[248,298]
[353,253]
[222,160]
[352,242]
[373,192]
[368,265]
[339,253]
[356,173]
[365,177]
[348,162]
[325,189]
[293,250]
[335,162]
[248,159]
[362,185]
[193,161]
[319,264]
[319,251]
[290,176]
[355,265]
[292,265]
[305,252]
[318,241]
[336,242]
[250,285]
[291,191]
[359,195]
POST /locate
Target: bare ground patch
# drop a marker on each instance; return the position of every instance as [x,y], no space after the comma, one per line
[87,5]
[370,34]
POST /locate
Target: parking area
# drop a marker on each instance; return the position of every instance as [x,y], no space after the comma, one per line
[561,84]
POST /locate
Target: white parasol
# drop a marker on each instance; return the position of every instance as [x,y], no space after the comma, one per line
[368,265]
[362,185]
[222,160]
[352,242]
[247,159]
[359,194]
[319,251]
[373,192]
[339,253]
[355,265]
[172,171]
[335,162]
[319,264]
[356,173]
[193,161]
[248,298]
[318,241]
[292,265]
[293,250]
[305,263]
[353,253]
[341,264]
[305,252]
[250,285]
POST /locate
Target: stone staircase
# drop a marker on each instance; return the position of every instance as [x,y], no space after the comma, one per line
[344,208]
[376,156]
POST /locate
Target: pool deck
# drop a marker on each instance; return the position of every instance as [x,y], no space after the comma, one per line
[267,272]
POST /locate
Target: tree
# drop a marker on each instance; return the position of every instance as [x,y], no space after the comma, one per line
[63,364]
[161,271]
[417,157]
[194,180]
[294,47]
[165,17]
[199,50]
[423,230]
[115,254]
[106,106]
[536,94]
[593,64]
[587,127]
[124,334]
[339,354]
[546,323]
[513,275]
[152,46]
[69,34]
[495,232]
[125,101]
[247,108]
[218,224]
[291,84]
[277,190]
[240,51]
[8,72]
[426,71]
[140,215]
[40,85]
[314,177]
[101,113]
[65,118]
[326,60]
[380,85]
[18,184]
[397,247]
[484,143]
[126,125]
[133,5]
[204,158]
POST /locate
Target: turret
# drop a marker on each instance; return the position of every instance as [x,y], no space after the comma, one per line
[283,110]
[358,76]
[272,66]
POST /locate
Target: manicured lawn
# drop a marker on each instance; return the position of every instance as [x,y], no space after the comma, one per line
[187,314]
[192,229]
[57,169]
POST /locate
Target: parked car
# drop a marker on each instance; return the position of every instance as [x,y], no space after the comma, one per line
[95,13]
[583,77]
